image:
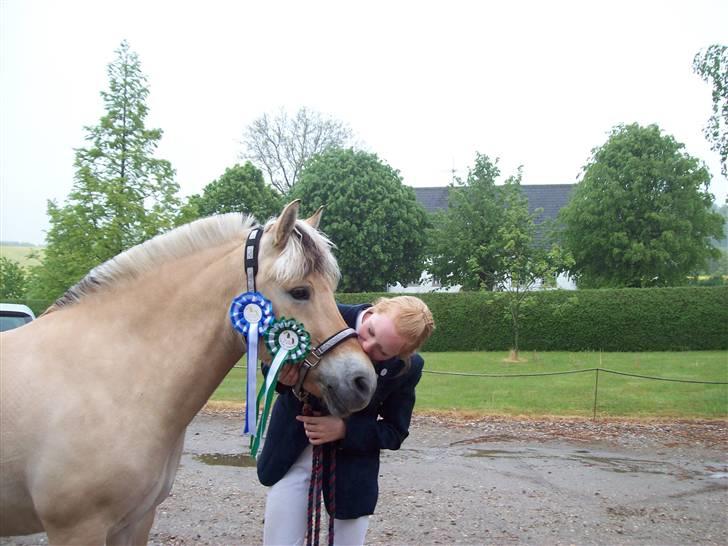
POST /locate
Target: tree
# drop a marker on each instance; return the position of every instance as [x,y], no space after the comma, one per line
[464,247]
[240,189]
[717,268]
[121,195]
[375,221]
[522,262]
[641,215]
[712,66]
[13,280]
[280,145]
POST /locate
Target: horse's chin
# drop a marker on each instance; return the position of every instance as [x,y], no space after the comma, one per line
[333,403]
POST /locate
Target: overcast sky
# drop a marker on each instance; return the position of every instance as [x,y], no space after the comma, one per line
[422,84]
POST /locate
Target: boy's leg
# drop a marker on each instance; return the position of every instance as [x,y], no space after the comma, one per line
[286,505]
[350,532]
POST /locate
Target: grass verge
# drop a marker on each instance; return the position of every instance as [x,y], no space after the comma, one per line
[569,395]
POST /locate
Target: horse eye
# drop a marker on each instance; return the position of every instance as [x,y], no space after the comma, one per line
[301,293]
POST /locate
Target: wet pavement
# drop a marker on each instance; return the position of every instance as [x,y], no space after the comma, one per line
[487,481]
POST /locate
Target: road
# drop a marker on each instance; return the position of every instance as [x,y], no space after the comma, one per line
[483,481]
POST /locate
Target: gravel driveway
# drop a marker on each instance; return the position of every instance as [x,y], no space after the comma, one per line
[483,481]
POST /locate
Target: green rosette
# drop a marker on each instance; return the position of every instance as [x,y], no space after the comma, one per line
[289,335]
[288,343]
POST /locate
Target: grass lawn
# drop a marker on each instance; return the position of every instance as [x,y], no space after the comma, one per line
[20,253]
[564,395]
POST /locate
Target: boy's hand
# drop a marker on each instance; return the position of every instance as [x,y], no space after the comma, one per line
[323,429]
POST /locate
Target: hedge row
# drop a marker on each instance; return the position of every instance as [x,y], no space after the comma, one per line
[654,319]
[635,319]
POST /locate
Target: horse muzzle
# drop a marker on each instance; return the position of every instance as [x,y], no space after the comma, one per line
[346,383]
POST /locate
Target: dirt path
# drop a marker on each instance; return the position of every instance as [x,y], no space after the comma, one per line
[484,481]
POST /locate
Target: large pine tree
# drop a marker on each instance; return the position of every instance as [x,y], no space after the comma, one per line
[122,194]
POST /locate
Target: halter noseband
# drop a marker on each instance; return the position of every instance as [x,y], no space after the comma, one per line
[252,245]
[314,358]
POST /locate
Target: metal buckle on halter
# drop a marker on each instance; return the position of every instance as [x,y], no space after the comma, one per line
[306,366]
[309,361]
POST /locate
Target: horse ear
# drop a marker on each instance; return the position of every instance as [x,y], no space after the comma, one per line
[315,218]
[285,223]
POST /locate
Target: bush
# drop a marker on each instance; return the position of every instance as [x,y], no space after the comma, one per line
[635,319]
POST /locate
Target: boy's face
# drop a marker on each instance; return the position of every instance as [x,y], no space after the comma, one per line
[378,336]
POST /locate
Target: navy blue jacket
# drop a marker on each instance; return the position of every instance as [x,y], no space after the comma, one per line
[383,424]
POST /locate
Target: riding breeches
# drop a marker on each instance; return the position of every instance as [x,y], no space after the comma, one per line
[286,511]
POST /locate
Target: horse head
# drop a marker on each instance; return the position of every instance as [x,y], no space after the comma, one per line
[299,274]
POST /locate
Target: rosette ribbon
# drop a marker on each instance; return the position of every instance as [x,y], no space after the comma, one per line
[251,314]
[288,342]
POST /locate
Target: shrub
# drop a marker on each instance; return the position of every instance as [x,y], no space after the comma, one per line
[634,319]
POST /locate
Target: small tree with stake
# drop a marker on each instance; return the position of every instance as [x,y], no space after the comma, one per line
[523,262]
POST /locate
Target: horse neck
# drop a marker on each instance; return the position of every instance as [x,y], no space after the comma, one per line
[181,314]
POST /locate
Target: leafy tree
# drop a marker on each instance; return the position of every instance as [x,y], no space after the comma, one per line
[464,245]
[718,267]
[13,280]
[240,189]
[375,221]
[522,262]
[712,66]
[280,145]
[641,215]
[121,196]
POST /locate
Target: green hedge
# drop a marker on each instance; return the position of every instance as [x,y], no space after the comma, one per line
[638,319]
[635,319]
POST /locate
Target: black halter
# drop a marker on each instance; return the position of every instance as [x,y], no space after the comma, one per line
[252,245]
[315,356]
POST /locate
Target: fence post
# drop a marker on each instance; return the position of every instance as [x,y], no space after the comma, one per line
[596,389]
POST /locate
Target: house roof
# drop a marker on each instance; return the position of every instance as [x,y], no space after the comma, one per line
[550,197]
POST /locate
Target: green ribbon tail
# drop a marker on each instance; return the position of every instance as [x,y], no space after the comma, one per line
[266,392]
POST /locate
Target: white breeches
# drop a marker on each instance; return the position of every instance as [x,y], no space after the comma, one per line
[286,511]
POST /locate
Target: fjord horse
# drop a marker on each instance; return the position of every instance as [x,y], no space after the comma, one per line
[96,394]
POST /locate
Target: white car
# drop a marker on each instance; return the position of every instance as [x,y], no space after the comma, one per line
[13,315]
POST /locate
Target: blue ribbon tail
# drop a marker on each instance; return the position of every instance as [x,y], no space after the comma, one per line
[251,410]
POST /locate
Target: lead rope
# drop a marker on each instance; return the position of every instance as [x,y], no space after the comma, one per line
[315,488]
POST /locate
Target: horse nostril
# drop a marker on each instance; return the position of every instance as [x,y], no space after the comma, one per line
[361,384]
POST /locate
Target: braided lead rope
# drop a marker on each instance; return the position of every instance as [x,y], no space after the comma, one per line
[311,484]
[315,492]
[332,492]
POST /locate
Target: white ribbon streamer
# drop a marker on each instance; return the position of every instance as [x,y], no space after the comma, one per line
[252,364]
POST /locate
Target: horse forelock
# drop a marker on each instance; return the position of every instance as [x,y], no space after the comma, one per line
[307,251]
[178,243]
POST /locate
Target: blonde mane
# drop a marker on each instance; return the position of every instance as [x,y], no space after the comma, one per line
[306,251]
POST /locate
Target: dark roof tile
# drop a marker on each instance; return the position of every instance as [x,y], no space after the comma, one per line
[550,197]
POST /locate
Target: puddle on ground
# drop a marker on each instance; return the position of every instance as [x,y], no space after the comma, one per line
[632,466]
[225,459]
[618,465]
[497,453]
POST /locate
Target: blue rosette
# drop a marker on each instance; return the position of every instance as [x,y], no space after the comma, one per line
[251,308]
[251,314]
